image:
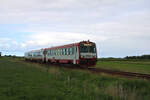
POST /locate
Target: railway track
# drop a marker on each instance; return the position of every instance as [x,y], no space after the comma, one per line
[120,73]
[113,72]
[107,71]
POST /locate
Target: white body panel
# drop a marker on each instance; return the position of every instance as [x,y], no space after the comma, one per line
[36,54]
[88,55]
[74,56]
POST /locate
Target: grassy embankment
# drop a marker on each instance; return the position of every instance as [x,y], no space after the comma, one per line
[21,80]
[140,66]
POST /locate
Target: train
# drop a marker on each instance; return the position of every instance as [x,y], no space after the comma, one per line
[80,53]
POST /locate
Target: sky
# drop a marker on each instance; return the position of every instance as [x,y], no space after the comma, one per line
[118,27]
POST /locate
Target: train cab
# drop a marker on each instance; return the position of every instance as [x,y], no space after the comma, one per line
[88,53]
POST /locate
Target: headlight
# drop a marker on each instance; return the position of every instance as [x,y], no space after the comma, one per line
[94,56]
[82,56]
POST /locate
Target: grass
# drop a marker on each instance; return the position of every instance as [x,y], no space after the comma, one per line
[140,66]
[21,80]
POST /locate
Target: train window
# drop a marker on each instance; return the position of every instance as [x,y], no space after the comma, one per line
[87,48]
[67,51]
[76,49]
[55,52]
[59,52]
[70,51]
[62,51]
[49,52]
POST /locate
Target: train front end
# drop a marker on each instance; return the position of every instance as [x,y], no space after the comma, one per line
[87,53]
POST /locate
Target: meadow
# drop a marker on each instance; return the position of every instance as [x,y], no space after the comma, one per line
[134,65]
[20,80]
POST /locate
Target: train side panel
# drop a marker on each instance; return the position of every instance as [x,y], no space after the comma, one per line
[36,55]
[61,56]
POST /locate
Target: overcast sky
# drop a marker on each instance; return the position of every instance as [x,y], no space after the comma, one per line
[119,27]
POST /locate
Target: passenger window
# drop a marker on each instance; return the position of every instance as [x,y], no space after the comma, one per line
[57,52]
[62,51]
[70,51]
[53,52]
[67,51]
[76,49]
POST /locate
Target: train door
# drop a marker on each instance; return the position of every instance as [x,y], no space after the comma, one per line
[44,55]
[75,55]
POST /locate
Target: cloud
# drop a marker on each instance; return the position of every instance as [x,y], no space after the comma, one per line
[118,27]
[59,38]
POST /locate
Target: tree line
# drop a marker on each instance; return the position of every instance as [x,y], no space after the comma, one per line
[138,57]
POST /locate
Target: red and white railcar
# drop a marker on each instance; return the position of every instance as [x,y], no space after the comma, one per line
[82,53]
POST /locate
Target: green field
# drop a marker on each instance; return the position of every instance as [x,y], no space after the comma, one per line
[140,66]
[21,80]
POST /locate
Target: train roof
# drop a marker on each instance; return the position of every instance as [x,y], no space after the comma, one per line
[69,45]
[34,51]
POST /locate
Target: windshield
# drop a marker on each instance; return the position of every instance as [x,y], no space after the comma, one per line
[87,48]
